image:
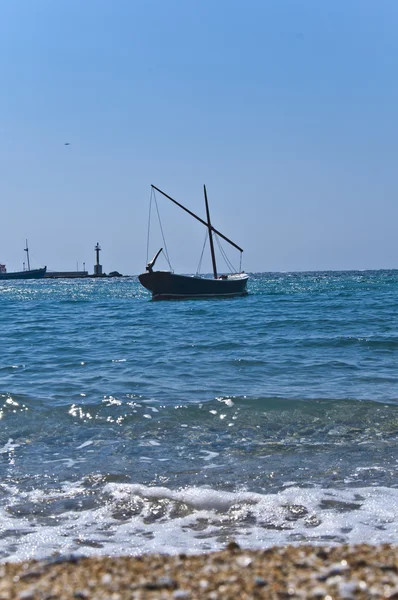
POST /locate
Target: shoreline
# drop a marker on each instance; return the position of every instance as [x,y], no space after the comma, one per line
[328,572]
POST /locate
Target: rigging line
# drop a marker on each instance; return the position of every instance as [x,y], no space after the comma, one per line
[167,258]
[149,226]
[231,266]
[201,256]
[223,254]
[240,263]
[228,262]
[165,251]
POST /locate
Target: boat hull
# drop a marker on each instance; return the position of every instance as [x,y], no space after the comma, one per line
[33,274]
[168,286]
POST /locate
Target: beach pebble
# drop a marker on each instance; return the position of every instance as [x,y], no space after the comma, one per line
[319,592]
[82,594]
[161,582]
[337,573]
[348,590]
[233,546]
[243,561]
[106,579]
[28,594]
[334,569]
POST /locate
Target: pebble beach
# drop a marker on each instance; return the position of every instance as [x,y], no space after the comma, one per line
[327,572]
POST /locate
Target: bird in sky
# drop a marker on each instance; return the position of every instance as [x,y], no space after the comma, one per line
[67,144]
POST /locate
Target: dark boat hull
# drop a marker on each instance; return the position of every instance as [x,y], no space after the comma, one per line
[33,274]
[167,286]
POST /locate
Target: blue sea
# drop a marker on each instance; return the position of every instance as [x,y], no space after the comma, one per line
[129,426]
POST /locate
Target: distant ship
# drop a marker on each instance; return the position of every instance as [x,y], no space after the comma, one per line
[25,274]
[32,274]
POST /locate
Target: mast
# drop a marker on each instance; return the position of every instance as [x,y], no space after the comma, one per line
[224,237]
[213,256]
[27,254]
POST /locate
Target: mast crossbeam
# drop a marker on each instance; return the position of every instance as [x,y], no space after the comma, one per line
[224,237]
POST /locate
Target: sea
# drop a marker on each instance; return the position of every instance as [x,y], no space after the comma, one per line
[129,426]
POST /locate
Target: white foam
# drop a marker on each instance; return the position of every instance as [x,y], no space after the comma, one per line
[133,518]
[9,446]
[84,445]
[209,455]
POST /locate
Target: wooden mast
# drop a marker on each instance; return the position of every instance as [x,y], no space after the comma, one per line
[213,256]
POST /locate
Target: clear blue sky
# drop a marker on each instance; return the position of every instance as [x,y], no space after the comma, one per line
[286,109]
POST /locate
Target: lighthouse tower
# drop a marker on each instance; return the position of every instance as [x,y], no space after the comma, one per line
[97,267]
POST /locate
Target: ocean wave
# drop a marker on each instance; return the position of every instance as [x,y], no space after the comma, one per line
[118,518]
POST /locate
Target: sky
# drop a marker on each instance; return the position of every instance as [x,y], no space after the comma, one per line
[285,109]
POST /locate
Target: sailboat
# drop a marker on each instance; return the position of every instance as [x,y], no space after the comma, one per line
[166,285]
[25,274]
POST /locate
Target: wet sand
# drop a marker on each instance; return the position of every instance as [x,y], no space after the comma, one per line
[348,572]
